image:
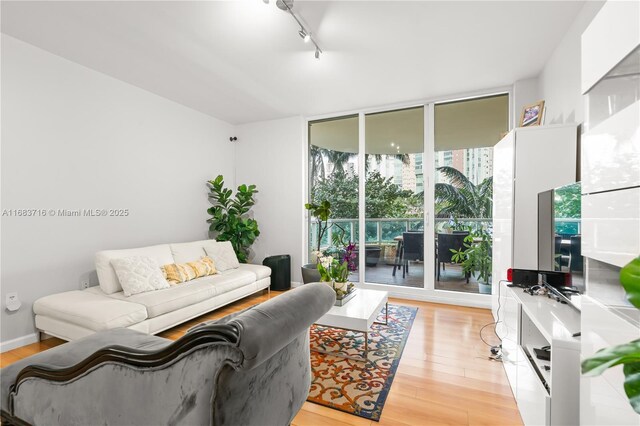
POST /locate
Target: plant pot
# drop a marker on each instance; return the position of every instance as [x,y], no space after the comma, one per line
[310,273]
[484,288]
[372,255]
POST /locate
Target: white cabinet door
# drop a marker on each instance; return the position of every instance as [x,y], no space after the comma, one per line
[611,152]
[545,159]
[611,35]
[533,400]
[611,226]
[502,211]
[602,398]
[508,326]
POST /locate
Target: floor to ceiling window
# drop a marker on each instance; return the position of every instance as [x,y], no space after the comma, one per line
[425,173]
[394,197]
[333,177]
[465,132]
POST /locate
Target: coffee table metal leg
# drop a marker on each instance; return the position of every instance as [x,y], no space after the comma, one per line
[364,358]
[386,315]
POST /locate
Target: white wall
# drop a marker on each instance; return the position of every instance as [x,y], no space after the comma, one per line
[525,92]
[270,154]
[560,80]
[73,138]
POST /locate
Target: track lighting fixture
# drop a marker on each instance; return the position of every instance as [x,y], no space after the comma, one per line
[287,5]
[304,35]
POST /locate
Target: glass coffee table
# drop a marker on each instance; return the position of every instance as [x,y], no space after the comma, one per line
[358,315]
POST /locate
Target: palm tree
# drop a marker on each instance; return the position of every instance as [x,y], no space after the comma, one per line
[461,197]
[316,161]
[338,159]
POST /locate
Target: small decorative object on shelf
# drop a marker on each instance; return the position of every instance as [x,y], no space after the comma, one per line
[336,274]
[532,114]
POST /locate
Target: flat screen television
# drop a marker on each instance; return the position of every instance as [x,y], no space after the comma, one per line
[559,238]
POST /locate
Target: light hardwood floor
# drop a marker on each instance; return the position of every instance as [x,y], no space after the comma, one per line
[444,377]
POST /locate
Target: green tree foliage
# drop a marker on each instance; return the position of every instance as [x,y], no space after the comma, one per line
[567,202]
[461,197]
[384,198]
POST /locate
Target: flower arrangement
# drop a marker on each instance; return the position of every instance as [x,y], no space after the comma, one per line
[336,273]
[350,256]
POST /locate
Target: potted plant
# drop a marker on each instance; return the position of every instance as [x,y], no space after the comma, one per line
[230,219]
[475,259]
[321,213]
[337,275]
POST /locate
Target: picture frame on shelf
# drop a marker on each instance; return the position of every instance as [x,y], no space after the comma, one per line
[532,114]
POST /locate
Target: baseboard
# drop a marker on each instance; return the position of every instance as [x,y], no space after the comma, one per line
[18,342]
[440,299]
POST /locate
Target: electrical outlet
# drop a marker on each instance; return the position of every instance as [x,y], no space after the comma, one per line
[84,284]
[12,302]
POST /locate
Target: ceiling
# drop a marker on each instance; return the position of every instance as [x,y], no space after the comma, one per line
[243,61]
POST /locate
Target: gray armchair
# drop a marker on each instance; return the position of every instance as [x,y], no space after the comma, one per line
[251,368]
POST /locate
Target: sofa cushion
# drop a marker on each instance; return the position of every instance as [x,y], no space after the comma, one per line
[222,253]
[107,275]
[138,274]
[177,273]
[188,252]
[259,270]
[91,309]
[168,300]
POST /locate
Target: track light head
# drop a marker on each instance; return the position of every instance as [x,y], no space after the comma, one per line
[302,33]
[317,53]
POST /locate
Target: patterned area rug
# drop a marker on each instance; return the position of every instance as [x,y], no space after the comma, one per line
[358,387]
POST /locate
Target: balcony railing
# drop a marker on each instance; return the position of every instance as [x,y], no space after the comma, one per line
[383,231]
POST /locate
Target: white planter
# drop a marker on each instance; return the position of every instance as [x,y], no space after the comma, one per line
[484,288]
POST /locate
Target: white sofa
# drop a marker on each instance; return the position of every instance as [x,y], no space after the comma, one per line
[75,314]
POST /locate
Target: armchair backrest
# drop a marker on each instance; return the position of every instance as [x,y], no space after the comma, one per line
[447,242]
[413,245]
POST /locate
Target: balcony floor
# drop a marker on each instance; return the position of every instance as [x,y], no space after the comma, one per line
[450,279]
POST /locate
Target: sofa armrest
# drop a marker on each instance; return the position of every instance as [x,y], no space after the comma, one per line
[63,385]
[267,328]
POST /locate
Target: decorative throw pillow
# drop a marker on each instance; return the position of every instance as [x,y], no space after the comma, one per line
[138,274]
[222,253]
[177,273]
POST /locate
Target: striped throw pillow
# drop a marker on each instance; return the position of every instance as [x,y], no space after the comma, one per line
[177,273]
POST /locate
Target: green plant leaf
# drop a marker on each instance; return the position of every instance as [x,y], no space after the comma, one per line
[632,384]
[630,280]
[610,357]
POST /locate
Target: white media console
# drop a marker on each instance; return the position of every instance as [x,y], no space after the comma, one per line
[544,396]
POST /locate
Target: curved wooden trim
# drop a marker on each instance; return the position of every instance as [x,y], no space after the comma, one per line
[205,335]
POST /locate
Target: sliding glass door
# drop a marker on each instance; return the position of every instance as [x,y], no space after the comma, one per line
[410,192]
[333,178]
[465,132]
[394,197]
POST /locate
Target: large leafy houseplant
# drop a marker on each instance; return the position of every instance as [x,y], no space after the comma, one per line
[475,257]
[627,354]
[230,216]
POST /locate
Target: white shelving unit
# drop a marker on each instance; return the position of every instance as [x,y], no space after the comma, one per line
[610,201]
[528,160]
[544,397]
